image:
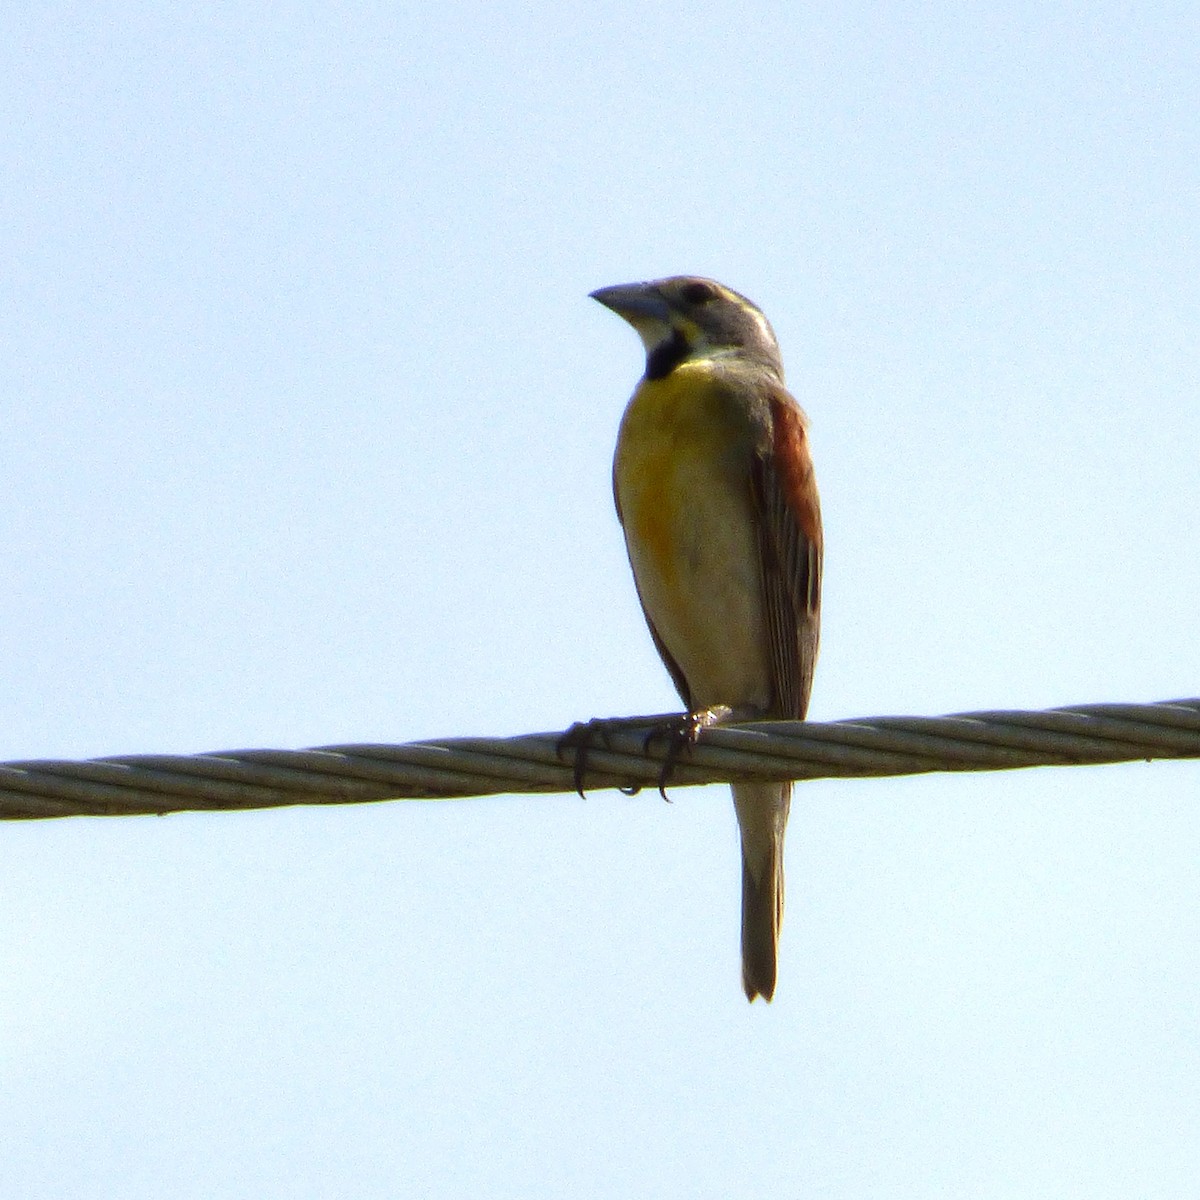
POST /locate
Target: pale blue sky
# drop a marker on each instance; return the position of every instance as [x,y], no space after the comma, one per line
[308,423]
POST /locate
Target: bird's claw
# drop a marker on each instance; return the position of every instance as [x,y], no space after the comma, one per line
[681,734]
[578,740]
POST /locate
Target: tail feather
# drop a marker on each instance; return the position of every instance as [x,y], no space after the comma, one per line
[762,811]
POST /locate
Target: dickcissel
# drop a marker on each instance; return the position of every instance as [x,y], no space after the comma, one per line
[714,486]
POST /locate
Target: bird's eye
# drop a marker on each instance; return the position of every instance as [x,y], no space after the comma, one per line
[699,293]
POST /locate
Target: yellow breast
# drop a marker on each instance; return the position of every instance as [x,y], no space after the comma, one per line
[680,438]
[682,481]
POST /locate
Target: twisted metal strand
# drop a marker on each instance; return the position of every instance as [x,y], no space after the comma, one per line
[622,753]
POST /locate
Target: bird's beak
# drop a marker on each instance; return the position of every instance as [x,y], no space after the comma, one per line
[639,303]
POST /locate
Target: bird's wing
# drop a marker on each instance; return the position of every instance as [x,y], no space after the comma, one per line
[790,544]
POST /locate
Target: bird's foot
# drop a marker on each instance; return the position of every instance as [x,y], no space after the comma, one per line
[678,730]
[681,734]
[583,736]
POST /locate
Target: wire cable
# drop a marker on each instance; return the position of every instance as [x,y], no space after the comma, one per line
[626,752]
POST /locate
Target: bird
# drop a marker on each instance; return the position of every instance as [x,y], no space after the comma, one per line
[715,492]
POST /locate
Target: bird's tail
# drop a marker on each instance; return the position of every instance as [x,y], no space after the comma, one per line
[762,812]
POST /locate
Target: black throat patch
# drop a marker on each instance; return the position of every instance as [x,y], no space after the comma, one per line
[666,356]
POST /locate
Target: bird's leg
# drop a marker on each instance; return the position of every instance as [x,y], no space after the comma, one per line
[681,734]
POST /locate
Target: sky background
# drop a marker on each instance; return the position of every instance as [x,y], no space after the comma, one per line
[308,424]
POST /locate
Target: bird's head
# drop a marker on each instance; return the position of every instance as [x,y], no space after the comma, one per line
[686,318]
